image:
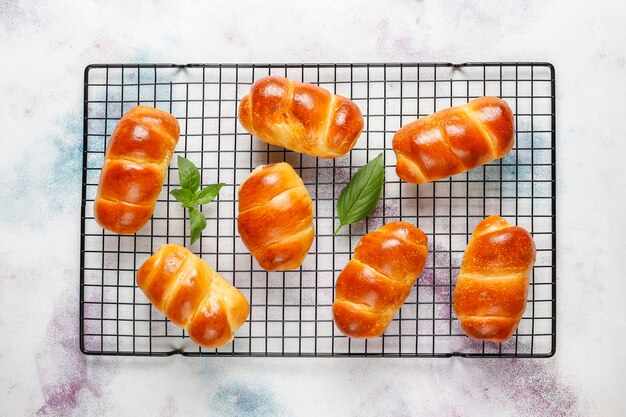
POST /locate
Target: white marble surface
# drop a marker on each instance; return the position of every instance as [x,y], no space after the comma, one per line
[44,49]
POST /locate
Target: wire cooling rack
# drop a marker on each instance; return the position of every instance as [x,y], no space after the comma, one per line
[290,311]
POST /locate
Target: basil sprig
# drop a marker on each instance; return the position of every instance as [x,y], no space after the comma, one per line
[190,195]
[359,198]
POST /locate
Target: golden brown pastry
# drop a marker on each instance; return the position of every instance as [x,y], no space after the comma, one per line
[275,218]
[193,296]
[302,117]
[134,169]
[454,140]
[490,292]
[378,279]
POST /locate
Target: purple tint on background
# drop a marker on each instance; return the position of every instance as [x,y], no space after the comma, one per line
[64,372]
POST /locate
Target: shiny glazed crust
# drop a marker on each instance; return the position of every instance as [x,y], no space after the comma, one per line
[454,140]
[275,218]
[378,279]
[135,165]
[490,292]
[192,295]
[302,117]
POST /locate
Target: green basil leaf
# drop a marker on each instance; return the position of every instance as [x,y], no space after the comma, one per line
[360,196]
[184,196]
[198,223]
[189,174]
[207,194]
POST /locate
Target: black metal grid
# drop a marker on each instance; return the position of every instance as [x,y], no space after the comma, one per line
[291,311]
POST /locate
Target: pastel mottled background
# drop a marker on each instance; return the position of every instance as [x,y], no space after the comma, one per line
[44,48]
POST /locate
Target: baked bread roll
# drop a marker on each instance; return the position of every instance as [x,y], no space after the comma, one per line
[302,117]
[134,169]
[490,292]
[378,279]
[193,296]
[275,218]
[454,140]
